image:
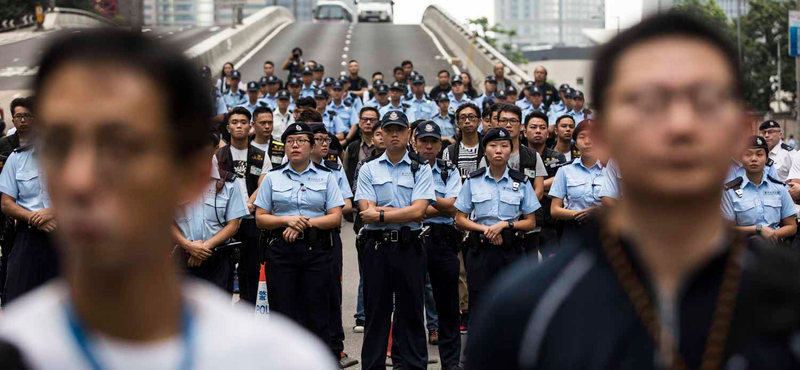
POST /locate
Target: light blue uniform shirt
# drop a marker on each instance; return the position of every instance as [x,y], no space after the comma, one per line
[442,190]
[530,110]
[390,185]
[22,180]
[341,180]
[235,99]
[578,116]
[445,123]
[766,204]
[334,124]
[523,104]
[200,220]
[420,109]
[372,102]
[579,187]
[346,114]
[495,201]
[288,193]
[479,100]
[610,185]
[455,103]
[356,103]
[250,108]
[219,105]
[307,92]
[269,101]
[737,170]
[389,107]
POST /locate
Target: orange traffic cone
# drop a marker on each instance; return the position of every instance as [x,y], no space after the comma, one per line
[389,347]
[262,304]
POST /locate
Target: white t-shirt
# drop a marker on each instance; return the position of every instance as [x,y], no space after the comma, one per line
[225,337]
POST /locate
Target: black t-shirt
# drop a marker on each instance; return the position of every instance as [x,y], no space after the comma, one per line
[358,83]
[572,313]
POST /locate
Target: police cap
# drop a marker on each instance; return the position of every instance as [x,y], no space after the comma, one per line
[344,79]
[397,86]
[319,68]
[417,79]
[337,85]
[328,81]
[768,125]
[284,94]
[394,118]
[563,87]
[496,134]
[569,93]
[511,90]
[205,71]
[308,71]
[377,82]
[442,97]
[533,90]
[381,89]
[758,142]
[320,94]
[491,79]
[252,86]
[296,128]
[577,95]
[456,79]
[272,79]
[294,81]
[501,94]
[428,129]
[318,128]
[235,75]
[529,83]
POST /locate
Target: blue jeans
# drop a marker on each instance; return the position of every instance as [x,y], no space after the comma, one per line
[431,317]
[360,302]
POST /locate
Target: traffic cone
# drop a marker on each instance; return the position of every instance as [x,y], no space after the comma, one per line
[262,304]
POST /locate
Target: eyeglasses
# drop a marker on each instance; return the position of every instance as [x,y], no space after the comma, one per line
[321,140]
[470,117]
[369,120]
[299,142]
[707,99]
[771,132]
[20,117]
[505,121]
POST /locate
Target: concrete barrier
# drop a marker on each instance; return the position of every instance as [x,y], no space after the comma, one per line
[232,44]
[474,54]
[60,18]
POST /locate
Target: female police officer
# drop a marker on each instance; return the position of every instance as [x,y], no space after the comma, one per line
[300,202]
[576,188]
[203,226]
[756,202]
[498,195]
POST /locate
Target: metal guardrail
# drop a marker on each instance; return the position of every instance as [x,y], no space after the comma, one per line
[82,13]
[17,23]
[479,55]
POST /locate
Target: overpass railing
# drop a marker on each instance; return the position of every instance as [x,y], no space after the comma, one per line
[57,18]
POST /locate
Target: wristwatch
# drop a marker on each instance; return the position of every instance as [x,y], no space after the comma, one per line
[510,225]
[381,218]
[758,229]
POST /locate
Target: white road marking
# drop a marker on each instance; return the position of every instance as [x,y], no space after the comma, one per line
[15,60]
[170,33]
[213,29]
[344,56]
[347,42]
[180,29]
[261,45]
[146,30]
[344,63]
[346,48]
[18,71]
[441,48]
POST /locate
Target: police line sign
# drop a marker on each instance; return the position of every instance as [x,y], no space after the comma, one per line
[794,33]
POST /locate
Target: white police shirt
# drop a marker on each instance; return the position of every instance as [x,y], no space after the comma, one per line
[782,159]
[224,336]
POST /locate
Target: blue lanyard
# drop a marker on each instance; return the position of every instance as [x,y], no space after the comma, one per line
[84,342]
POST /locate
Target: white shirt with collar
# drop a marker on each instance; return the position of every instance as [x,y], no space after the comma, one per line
[280,122]
[782,159]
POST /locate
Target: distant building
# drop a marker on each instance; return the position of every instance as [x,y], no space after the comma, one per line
[731,7]
[549,22]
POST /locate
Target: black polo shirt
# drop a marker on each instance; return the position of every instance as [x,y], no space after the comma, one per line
[358,83]
[572,313]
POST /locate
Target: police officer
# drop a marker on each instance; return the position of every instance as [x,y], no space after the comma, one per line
[308,83]
[218,102]
[349,96]
[247,162]
[319,73]
[489,88]
[523,102]
[457,93]
[32,259]
[252,101]
[270,99]
[294,85]
[576,189]
[393,193]
[443,86]
[396,92]
[444,118]
[282,115]
[759,204]
[343,109]
[578,112]
[558,108]
[779,152]
[565,125]
[300,204]
[332,122]
[420,107]
[442,242]
[203,227]
[380,95]
[499,196]
[235,96]
[534,99]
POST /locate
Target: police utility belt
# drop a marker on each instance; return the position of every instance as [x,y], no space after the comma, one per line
[512,239]
[403,236]
[311,236]
[444,234]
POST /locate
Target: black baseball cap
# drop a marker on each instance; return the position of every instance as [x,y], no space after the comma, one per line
[428,129]
[252,86]
[296,129]
[501,94]
[235,75]
[284,94]
[768,125]
[533,90]
[495,134]
[569,92]
[563,87]
[529,83]
[511,90]
[577,95]
[272,79]
[394,118]
[344,79]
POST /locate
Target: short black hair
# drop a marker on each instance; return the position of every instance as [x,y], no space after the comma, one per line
[238,110]
[396,69]
[465,106]
[407,63]
[309,116]
[261,110]
[187,108]
[510,108]
[377,73]
[369,109]
[25,102]
[558,120]
[270,63]
[444,71]
[660,26]
[306,102]
[535,114]
[351,61]
[495,107]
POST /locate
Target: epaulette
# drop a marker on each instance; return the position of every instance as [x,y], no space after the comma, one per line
[444,164]
[279,167]
[262,104]
[770,178]
[417,157]
[786,147]
[321,167]
[406,105]
[332,165]
[517,176]
[733,184]
[477,173]
[348,104]
[451,114]
[332,113]
[22,149]
[770,162]
[374,157]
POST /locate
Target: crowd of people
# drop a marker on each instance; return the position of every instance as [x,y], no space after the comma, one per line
[685,262]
